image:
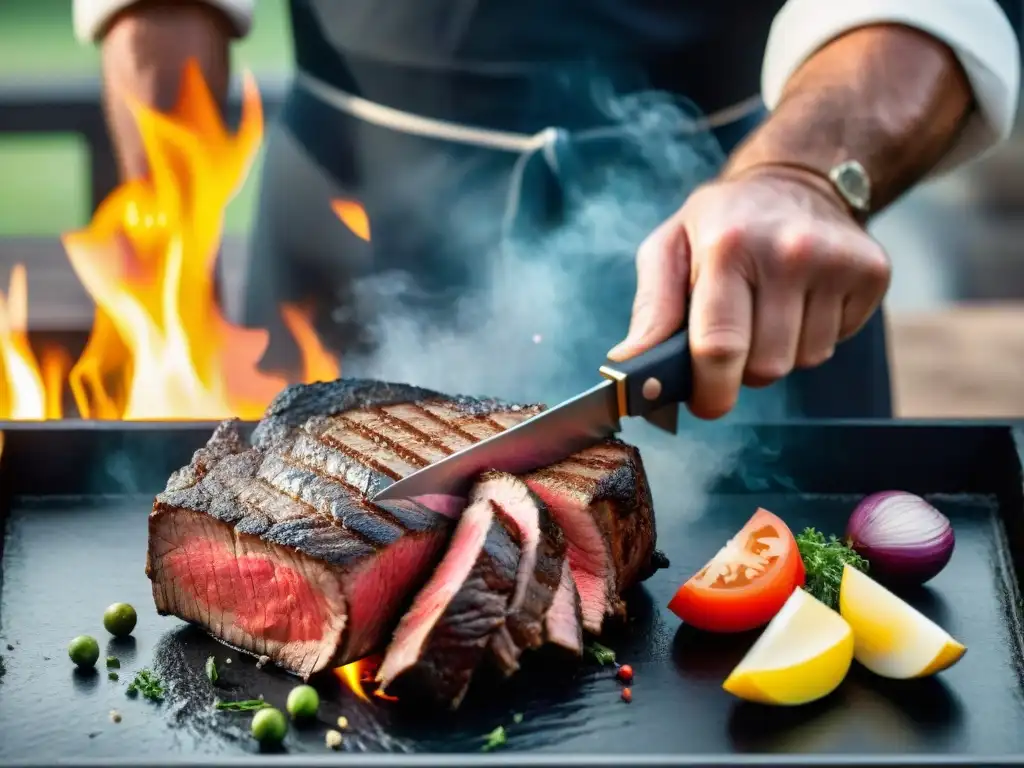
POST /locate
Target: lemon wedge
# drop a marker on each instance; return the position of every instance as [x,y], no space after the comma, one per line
[890,637]
[803,655]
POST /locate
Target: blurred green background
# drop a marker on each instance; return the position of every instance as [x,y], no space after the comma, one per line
[44,179]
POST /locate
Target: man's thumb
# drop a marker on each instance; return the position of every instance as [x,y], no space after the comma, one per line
[662,284]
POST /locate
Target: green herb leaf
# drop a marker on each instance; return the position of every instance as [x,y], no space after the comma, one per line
[148,684]
[517,718]
[113,676]
[494,739]
[824,560]
[248,705]
[211,670]
[600,653]
[113,663]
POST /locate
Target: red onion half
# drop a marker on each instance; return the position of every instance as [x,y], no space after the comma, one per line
[903,537]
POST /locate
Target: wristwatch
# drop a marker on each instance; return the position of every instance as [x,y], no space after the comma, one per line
[853,184]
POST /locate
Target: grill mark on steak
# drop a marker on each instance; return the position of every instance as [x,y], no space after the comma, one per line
[364,451]
[379,439]
[477,427]
[308,464]
[322,496]
[454,423]
[420,418]
[307,449]
[427,449]
[587,463]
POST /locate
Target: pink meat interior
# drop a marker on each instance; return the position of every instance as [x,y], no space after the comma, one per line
[379,589]
[587,551]
[561,622]
[431,602]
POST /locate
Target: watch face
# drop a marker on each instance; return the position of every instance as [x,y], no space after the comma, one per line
[852,182]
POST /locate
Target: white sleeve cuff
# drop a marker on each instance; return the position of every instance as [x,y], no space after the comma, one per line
[91,16]
[977,31]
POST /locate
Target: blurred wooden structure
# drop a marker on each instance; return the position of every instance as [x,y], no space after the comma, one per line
[959,362]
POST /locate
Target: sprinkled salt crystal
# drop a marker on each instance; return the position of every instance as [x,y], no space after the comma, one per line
[537,338]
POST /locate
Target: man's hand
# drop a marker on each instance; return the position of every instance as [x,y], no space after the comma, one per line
[145,49]
[779,274]
[779,270]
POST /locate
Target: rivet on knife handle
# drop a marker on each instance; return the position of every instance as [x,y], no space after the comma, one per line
[660,376]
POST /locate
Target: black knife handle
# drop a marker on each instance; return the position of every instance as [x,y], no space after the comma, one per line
[660,376]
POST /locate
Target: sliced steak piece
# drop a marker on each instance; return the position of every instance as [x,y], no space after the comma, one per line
[543,553]
[441,640]
[274,547]
[563,623]
[600,499]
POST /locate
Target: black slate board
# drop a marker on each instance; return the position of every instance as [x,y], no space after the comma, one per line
[67,555]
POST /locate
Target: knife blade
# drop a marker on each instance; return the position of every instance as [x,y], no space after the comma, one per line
[651,385]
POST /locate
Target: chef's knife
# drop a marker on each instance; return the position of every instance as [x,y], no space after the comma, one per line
[651,385]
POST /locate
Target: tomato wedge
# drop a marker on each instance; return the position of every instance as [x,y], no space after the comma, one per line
[747,582]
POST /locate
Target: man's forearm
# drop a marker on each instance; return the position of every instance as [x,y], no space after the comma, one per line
[145,49]
[888,96]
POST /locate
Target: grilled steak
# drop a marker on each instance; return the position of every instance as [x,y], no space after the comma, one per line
[441,640]
[543,554]
[601,501]
[275,549]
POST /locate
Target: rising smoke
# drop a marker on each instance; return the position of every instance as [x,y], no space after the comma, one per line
[550,305]
[541,295]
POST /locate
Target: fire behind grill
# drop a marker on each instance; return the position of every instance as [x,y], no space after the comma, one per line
[74,502]
[281,357]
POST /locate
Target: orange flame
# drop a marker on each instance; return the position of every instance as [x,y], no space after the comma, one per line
[160,347]
[360,674]
[23,396]
[147,260]
[353,216]
[317,363]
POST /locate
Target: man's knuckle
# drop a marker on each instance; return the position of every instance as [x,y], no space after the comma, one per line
[795,250]
[719,346]
[726,245]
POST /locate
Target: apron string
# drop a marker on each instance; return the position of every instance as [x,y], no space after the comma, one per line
[408,123]
[509,141]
